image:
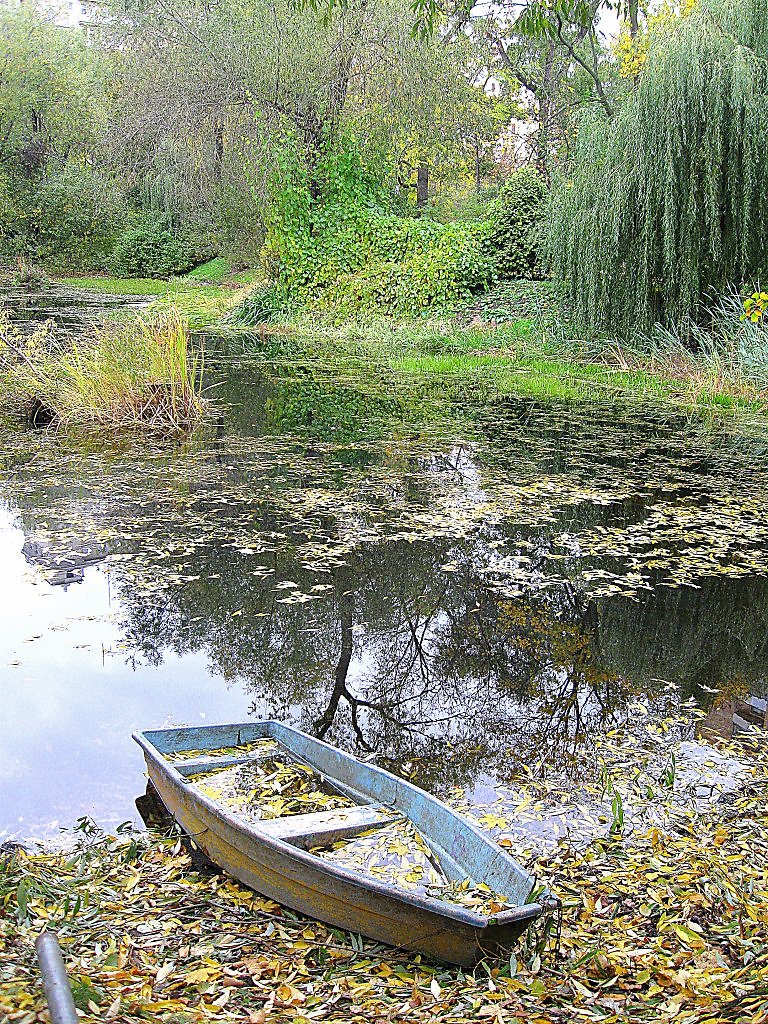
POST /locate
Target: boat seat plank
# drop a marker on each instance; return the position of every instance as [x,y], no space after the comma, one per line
[206,764]
[324,827]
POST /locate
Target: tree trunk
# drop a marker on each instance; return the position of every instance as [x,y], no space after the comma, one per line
[218,159]
[634,28]
[422,186]
[547,112]
[634,18]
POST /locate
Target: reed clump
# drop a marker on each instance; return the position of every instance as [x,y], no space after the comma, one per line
[136,374]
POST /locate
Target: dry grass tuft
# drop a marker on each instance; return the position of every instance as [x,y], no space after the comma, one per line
[137,374]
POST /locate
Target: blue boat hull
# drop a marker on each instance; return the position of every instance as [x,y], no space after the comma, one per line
[292,876]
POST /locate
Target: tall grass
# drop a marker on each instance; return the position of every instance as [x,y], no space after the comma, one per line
[729,346]
[721,351]
[132,374]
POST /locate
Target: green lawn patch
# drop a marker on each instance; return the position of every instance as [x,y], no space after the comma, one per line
[120,285]
[214,270]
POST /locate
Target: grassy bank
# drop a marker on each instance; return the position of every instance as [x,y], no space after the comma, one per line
[200,301]
[511,341]
[664,917]
[535,375]
[513,359]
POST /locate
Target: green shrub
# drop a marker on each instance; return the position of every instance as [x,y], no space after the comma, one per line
[10,248]
[67,217]
[149,249]
[368,259]
[263,304]
[418,266]
[78,213]
[517,238]
[346,250]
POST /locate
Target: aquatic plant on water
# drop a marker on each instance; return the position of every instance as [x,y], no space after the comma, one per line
[133,374]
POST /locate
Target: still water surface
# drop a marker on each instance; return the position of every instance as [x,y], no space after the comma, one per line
[463,598]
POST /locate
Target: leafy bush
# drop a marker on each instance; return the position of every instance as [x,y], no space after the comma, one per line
[410,266]
[346,250]
[400,264]
[78,214]
[149,249]
[517,237]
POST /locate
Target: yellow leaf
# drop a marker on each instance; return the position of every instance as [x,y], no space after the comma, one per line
[689,937]
[202,974]
[493,821]
[288,995]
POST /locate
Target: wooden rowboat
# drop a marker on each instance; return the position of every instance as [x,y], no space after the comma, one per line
[278,856]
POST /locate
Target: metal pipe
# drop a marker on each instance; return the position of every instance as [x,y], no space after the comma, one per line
[55,982]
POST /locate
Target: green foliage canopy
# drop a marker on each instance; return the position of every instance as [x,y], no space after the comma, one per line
[49,85]
[210,96]
[55,204]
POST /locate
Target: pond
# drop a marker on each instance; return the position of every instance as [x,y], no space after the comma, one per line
[471,596]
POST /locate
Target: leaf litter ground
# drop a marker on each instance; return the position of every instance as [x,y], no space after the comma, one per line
[663,874]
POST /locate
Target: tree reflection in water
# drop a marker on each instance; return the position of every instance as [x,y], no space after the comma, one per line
[418,601]
[433,670]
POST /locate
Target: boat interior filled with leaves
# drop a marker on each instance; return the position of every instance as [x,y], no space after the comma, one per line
[341,839]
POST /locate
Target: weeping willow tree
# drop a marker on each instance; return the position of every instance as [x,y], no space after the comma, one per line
[668,200]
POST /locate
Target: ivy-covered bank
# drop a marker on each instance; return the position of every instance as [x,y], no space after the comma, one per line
[352,249]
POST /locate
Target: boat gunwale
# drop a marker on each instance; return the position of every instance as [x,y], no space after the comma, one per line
[454,911]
